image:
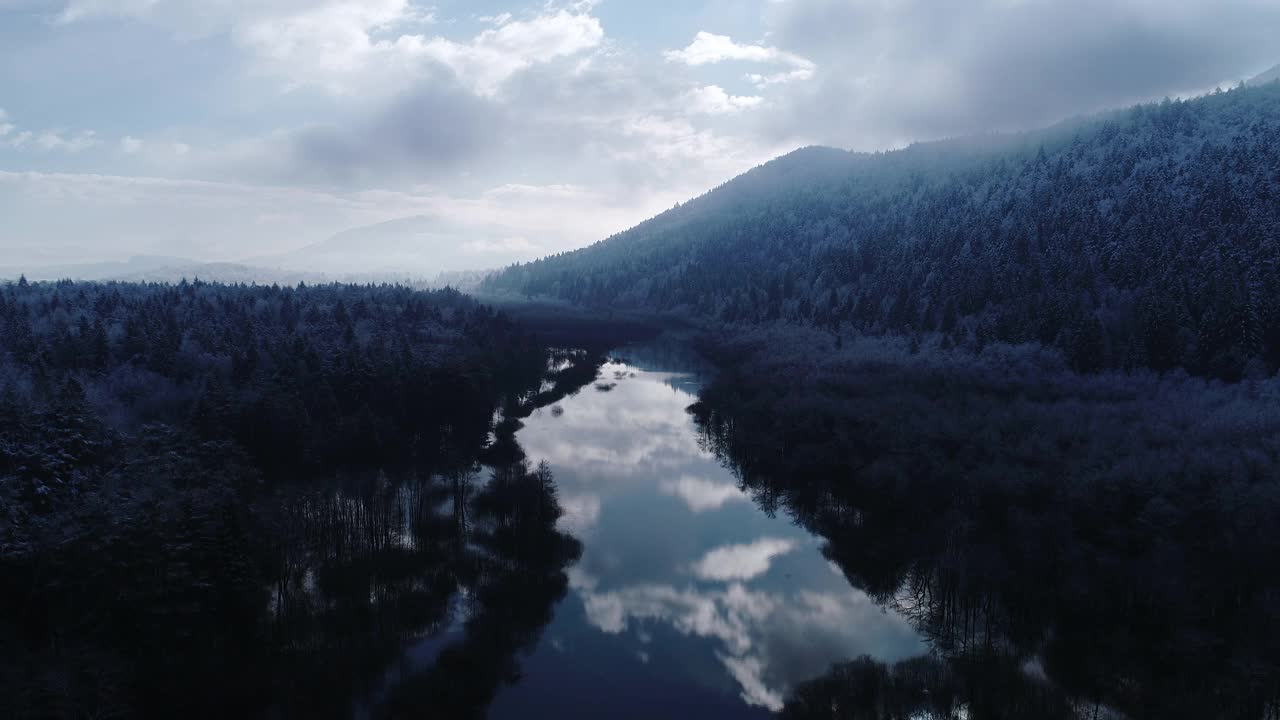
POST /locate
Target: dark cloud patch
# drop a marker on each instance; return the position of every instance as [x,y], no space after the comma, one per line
[916,69]
[428,132]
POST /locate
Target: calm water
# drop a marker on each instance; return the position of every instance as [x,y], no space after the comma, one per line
[688,599]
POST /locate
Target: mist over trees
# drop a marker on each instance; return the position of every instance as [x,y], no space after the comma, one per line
[1148,238]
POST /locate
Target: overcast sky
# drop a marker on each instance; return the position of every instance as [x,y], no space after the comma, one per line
[226,129]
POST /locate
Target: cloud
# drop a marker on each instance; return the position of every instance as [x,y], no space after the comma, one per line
[781,78]
[56,140]
[581,513]
[728,615]
[46,140]
[353,47]
[332,44]
[708,48]
[749,671]
[742,562]
[486,61]
[891,72]
[426,132]
[713,100]
[702,495]
[767,642]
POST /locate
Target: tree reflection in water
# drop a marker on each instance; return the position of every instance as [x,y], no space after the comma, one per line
[208,591]
[1049,590]
[361,577]
[366,572]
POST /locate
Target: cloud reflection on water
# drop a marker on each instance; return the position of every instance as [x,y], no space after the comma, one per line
[702,495]
[672,542]
[742,562]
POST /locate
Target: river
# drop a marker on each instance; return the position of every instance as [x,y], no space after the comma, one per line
[688,599]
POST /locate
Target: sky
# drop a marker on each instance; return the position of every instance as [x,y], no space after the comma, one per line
[242,129]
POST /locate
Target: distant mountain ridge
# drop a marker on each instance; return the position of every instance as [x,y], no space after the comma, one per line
[157,269]
[419,244]
[136,265]
[1269,76]
[1141,238]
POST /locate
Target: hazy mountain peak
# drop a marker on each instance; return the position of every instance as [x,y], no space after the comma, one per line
[1269,76]
[422,244]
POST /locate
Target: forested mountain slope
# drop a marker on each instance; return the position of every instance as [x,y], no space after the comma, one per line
[1143,238]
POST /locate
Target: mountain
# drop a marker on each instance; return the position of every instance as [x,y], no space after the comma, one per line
[1269,76]
[1142,238]
[421,244]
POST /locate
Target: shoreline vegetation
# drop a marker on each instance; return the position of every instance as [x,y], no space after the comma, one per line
[1070,544]
[209,493]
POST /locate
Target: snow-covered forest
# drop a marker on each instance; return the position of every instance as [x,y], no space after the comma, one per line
[244,482]
[1143,238]
[1116,530]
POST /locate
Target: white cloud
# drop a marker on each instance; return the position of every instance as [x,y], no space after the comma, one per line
[714,100]
[708,49]
[361,46]
[702,495]
[47,140]
[55,140]
[77,10]
[581,513]
[195,19]
[781,78]
[131,145]
[742,562]
[749,672]
[493,56]
[330,44]
[896,71]
[668,139]
[728,616]
[768,642]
